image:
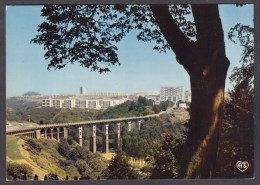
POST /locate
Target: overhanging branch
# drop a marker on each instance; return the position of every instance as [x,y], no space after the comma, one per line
[178,41]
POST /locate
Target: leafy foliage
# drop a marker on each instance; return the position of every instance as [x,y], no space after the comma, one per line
[165,157]
[87,33]
[244,35]
[119,168]
[126,109]
[18,171]
[52,176]
[236,142]
[64,148]
[139,144]
[34,144]
[16,104]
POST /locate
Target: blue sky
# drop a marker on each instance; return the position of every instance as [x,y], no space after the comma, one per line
[141,69]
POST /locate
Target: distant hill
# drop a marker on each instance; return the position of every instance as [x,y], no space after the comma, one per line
[31,93]
[17,104]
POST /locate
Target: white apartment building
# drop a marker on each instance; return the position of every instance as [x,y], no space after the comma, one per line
[82,103]
[188,96]
[173,94]
[47,103]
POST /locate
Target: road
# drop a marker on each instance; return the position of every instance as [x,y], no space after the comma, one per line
[18,126]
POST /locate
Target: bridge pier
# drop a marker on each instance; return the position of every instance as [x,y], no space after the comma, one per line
[93,139]
[51,133]
[105,138]
[138,125]
[128,126]
[79,135]
[45,134]
[65,132]
[38,134]
[117,135]
[58,134]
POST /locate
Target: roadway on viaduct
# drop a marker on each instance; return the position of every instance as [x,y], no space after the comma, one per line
[82,123]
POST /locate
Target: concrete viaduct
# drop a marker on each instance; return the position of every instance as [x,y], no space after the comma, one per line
[60,130]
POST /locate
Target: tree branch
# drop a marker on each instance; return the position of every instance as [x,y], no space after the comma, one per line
[178,41]
[208,25]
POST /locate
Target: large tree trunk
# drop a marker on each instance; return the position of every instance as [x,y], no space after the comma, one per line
[207,65]
[207,88]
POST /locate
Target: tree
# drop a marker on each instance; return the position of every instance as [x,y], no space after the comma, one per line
[88,34]
[19,171]
[119,168]
[83,167]
[236,141]
[53,176]
[164,159]
[64,148]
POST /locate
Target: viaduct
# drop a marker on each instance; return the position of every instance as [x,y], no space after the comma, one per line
[60,130]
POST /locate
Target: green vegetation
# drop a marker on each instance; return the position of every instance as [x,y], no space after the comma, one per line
[14,104]
[48,115]
[236,140]
[17,171]
[127,109]
[164,160]
[139,144]
[119,168]
[77,161]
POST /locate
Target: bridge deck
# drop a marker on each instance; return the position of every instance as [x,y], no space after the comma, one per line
[82,123]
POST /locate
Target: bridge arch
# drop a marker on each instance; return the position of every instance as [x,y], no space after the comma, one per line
[49,134]
[42,133]
[61,132]
[55,133]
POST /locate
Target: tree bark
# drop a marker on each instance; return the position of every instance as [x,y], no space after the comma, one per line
[201,148]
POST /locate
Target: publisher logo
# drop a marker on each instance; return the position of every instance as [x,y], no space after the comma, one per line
[242,165]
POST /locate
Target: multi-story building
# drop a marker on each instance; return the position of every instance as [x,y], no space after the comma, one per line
[82,102]
[82,90]
[103,95]
[57,103]
[68,103]
[47,103]
[187,96]
[172,93]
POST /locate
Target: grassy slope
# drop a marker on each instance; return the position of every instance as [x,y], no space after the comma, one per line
[42,162]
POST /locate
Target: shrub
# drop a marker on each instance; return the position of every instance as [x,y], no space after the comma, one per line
[19,171]
[34,144]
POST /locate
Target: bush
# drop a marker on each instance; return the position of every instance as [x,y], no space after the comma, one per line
[34,144]
[119,168]
[83,167]
[19,171]
[63,147]
[79,153]
[53,176]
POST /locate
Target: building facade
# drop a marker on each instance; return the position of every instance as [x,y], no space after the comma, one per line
[82,90]
[82,102]
[173,94]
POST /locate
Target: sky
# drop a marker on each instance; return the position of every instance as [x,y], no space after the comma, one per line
[141,69]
